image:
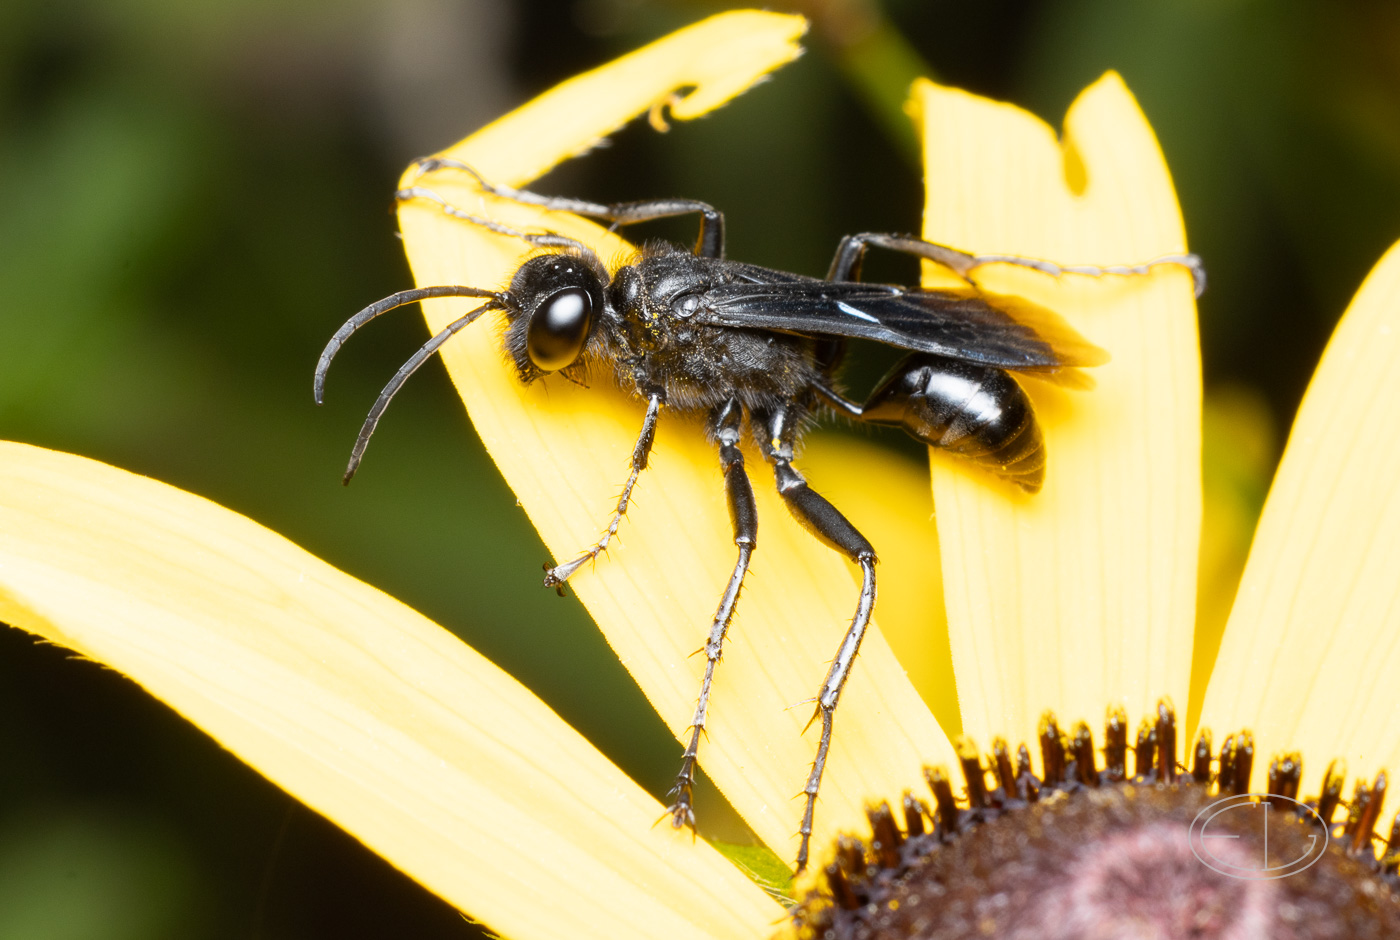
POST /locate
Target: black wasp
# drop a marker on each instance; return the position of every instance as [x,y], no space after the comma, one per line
[697,334]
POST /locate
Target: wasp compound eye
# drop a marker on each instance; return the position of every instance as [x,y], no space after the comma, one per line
[558,328]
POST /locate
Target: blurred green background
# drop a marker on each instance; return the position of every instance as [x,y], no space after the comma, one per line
[194,195]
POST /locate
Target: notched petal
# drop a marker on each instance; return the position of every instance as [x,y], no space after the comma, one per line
[710,62]
[1084,593]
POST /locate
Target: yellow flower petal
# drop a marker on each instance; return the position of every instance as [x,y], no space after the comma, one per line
[1239,456]
[715,60]
[355,704]
[1083,594]
[565,450]
[1312,649]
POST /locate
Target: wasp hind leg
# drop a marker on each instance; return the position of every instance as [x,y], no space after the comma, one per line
[826,522]
[846,265]
[743,515]
[556,576]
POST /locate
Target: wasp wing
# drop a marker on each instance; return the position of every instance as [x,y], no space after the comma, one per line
[962,323]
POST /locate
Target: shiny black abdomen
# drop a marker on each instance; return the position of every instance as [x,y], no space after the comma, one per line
[977,412]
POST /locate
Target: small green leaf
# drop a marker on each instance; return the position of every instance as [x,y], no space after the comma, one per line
[763,867]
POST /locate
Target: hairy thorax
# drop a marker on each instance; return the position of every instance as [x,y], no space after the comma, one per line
[696,366]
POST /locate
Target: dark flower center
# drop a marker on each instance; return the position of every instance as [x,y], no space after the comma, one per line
[1084,853]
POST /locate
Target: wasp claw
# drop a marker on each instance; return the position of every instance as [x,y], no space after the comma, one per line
[682,815]
[552,579]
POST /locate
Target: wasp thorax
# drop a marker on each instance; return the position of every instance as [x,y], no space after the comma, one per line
[559,296]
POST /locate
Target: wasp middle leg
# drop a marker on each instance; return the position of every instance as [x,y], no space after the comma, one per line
[826,522]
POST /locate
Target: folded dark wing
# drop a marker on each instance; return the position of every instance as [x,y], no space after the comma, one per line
[963,323]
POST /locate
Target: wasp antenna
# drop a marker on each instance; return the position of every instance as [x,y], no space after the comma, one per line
[424,353]
[384,306]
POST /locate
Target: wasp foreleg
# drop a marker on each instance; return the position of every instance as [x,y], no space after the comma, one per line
[556,576]
[709,244]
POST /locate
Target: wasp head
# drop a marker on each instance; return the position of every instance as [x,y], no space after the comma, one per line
[555,301]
